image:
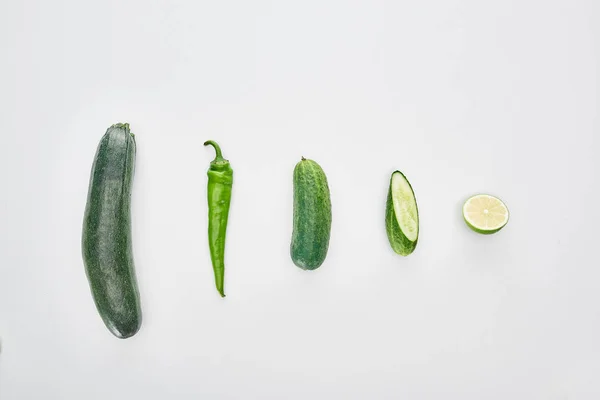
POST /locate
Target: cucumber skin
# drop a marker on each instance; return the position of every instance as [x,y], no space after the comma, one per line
[106,238]
[312,216]
[400,243]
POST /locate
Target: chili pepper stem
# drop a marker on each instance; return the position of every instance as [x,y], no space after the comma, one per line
[219,155]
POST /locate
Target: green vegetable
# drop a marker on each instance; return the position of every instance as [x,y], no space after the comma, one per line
[312,215]
[220,180]
[401,215]
[106,238]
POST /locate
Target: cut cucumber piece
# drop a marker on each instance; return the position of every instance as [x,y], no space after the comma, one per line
[485,214]
[402,215]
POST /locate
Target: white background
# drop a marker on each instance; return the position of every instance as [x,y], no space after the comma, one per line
[462,96]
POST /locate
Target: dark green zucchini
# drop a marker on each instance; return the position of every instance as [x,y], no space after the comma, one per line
[106,237]
[312,215]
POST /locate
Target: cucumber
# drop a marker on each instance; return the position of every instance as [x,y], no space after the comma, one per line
[312,216]
[106,237]
[401,215]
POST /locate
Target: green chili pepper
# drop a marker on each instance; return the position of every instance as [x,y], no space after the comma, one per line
[220,180]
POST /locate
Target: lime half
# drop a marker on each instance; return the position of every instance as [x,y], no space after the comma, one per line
[485,214]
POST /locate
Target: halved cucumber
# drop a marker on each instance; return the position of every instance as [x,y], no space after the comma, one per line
[401,215]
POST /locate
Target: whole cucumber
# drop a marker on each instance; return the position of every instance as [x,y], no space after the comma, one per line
[106,238]
[312,215]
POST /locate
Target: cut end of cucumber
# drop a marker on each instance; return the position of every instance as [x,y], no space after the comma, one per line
[485,214]
[405,206]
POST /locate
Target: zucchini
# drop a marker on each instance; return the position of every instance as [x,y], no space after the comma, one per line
[106,237]
[312,216]
[401,215]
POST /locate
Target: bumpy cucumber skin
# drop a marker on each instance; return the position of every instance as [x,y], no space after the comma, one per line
[106,239]
[399,242]
[312,216]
